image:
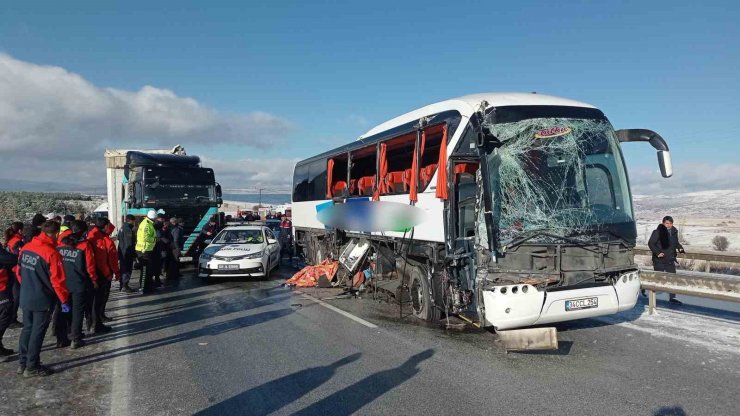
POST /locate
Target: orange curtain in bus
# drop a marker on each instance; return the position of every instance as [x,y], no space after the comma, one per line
[380,185]
[329,179]
[415,169]
[442,166]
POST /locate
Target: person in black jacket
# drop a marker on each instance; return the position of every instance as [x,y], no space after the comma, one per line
[176,246]
[41,271]
[34,229]
[665,247]
[127,252]
[81,278]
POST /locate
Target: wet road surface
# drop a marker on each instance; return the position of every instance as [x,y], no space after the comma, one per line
[254,348]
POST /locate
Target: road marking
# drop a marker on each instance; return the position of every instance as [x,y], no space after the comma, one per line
[337,310]
[121,385]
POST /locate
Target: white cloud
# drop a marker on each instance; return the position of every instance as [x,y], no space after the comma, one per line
[689,177]
[275,175]
[54,124]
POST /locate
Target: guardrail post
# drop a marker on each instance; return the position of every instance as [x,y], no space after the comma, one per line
[651,302]
[708,267]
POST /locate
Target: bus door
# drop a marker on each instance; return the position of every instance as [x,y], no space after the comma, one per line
[461,231]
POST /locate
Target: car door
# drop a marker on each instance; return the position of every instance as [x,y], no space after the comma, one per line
[273,249]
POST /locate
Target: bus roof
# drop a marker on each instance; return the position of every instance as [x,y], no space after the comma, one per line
[467,104]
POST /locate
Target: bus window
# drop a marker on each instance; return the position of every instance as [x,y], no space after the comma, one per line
[362,173]
[317,180]
[300,183]
[430,157]
[399,154]
[338,179]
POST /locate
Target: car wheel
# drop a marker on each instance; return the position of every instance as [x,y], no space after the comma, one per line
[267,271]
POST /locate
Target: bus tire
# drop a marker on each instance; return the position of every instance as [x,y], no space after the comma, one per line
[420,295]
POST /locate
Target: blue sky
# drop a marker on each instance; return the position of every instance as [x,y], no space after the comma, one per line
[329,72]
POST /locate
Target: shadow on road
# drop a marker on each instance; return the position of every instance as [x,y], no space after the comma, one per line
[352,398]
[670,411]
[278,393]
[208,330]
[197,310]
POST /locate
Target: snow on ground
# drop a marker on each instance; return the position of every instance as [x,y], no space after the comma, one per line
[700,216]
[719,334]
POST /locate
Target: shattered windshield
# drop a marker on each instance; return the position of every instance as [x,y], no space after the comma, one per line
[560,176]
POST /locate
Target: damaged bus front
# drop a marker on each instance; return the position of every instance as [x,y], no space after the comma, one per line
[557,227]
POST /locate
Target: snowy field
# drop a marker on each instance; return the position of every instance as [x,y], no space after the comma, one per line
[699,216]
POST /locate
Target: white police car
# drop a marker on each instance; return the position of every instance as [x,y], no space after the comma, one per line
[240,251]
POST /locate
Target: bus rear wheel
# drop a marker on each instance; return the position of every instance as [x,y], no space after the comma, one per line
[421,297]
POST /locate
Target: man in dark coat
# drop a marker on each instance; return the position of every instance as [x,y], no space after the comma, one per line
[665,247]
[126,251]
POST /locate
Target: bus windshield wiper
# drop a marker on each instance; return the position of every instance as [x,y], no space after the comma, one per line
[542,233]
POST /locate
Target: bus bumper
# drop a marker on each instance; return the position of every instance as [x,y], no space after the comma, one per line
[516,306]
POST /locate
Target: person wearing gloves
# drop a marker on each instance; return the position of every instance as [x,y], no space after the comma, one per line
[41,273]
[146,239]
[80,270]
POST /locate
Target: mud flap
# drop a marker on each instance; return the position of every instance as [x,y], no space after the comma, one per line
[529,339]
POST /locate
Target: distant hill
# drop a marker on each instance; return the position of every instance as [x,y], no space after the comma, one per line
[7,184]
[703,204]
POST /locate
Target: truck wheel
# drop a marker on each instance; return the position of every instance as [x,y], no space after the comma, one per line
[421,297]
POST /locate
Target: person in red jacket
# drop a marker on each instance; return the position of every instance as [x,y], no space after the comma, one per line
[106,264]
[42,278]
[7,261]
[79,267]
[14,240]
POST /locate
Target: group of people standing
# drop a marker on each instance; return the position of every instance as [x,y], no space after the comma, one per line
[60,271]
[56,271]
[157,244]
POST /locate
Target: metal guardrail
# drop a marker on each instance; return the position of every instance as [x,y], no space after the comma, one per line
[703,255]
[706,285]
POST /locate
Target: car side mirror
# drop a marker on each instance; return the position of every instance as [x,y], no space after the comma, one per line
[655,140]
[271,241]
[208,241]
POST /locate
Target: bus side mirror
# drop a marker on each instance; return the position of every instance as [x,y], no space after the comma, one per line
[218,191]
[655,140]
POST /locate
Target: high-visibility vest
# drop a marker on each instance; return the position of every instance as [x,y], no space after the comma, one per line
[146,236]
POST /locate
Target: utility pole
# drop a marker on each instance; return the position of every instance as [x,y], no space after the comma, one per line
[260,202]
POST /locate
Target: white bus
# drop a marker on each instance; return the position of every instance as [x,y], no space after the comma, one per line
[528,211]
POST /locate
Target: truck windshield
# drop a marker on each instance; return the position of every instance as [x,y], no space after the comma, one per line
[561,176]
[159,192]
[179,184]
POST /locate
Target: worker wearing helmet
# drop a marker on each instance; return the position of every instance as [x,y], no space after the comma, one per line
[146,239]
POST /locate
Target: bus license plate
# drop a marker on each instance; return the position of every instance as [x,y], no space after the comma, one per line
[578,304]
[228,266]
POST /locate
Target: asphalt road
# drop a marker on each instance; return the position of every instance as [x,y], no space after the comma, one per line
[254,348]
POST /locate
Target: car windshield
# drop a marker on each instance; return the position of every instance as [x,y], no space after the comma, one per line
[239,237]
[561,175]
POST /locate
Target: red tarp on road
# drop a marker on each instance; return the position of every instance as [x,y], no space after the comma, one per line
[309,275]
